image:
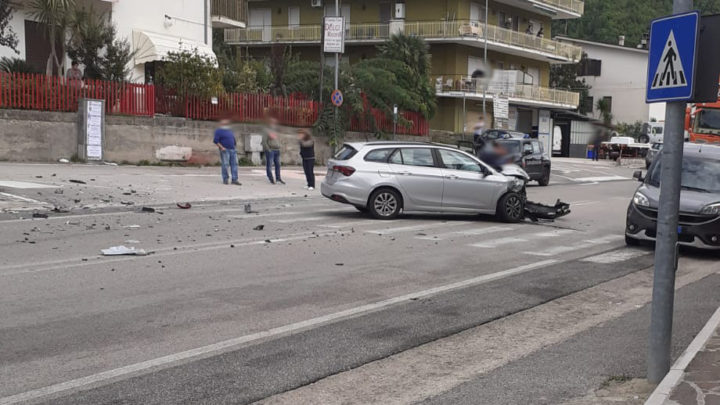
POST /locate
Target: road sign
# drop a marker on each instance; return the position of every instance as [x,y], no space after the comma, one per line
[336,98]
[334,35]
[672,56]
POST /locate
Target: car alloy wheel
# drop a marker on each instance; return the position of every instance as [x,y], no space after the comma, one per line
[385,204]
[514,207]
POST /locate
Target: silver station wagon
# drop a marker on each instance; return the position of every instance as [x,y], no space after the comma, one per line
[387,178]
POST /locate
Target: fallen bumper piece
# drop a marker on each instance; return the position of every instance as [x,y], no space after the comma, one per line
[536,211]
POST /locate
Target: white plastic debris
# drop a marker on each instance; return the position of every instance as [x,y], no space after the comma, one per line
[64,161]
[131,226]
[123,251]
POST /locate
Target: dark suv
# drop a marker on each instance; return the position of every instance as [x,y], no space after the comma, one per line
[528,154]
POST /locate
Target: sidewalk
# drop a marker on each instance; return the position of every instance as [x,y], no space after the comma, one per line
[695,378]
[73,187]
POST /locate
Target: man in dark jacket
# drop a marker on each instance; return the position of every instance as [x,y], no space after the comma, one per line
[225,141]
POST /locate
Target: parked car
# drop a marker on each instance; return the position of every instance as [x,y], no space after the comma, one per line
[652,153]
[699,224]
[493,134]
[387,178]
[528,154]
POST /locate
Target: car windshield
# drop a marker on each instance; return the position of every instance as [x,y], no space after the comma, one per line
[510,146]
[698,174]
[709,119]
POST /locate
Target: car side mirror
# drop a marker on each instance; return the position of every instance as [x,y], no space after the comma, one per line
[638,175]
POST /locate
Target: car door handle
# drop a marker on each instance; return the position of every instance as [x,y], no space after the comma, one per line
[406,173]
[451,177]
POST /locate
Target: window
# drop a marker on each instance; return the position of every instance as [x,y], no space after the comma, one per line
[378,155]
[527,147]
[294,17]
[537,147]
[589,67]
[588,104]
[345,153]
[608,103]
[413,157]
[458,161]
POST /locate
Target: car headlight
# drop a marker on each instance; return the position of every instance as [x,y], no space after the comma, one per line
[640,200]
[518,184]
[711,209]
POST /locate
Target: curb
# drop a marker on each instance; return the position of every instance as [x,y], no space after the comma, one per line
[671,380]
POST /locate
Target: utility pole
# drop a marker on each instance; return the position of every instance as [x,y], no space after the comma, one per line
[485,35]
[667,232]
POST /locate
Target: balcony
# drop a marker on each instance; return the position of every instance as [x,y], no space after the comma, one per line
[228,13]
[556,9]
[465,32]
[458,86]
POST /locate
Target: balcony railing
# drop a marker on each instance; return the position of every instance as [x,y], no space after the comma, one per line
[575,6]
[431,30]
[228,13]
[463,84]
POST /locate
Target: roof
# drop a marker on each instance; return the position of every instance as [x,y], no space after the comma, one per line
[600,44]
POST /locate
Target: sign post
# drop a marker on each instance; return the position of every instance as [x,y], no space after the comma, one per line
[671,77]
[334,42]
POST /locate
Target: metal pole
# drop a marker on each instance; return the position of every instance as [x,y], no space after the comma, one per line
[485,34]
[661,318]
[337,68]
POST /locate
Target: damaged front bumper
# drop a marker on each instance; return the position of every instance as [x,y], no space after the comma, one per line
[536,211]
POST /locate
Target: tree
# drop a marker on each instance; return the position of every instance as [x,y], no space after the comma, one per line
[634,130]
[603,106]
[413,53]
[564,77]
[89,35]
[16,65]
[8,37]
[278,64]
[190,73]
[92,42]
[54,14]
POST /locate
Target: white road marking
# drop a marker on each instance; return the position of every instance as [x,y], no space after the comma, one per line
[498,242]
[279,214]
[21,198]
[525,238]
[367,221]
[300,219]
[205,351]
[422,227]
[471,232]
[616,256]
[23,185]
[77,262]
[582,245]
[600,179]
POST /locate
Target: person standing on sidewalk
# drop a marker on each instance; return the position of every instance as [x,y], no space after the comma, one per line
[225,141]
[271,147]
[307,153]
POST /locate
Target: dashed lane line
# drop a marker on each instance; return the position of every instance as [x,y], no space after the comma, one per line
[390,231]
[553,251]
[471,232]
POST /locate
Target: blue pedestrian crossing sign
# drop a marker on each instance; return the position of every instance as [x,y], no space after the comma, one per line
[672,58]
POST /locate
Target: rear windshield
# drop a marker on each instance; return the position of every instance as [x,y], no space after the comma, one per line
[345,153]
[698,174]
[510,146]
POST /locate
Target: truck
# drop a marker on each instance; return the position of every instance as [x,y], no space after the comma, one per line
[702,122]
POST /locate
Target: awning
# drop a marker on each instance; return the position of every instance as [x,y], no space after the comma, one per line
[151,46]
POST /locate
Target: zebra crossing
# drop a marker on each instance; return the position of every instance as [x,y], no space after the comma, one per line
[544,240]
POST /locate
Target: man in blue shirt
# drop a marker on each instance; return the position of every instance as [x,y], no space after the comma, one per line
[225,141]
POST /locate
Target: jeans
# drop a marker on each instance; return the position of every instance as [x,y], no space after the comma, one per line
[272,157]
[309,169]
[228,157]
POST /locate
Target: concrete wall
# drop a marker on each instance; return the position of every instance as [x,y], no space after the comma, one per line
[34,136]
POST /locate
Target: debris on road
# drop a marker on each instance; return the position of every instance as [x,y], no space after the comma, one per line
[259,228]
[184,206]
[536,211]
[131,227]
[148,209]
[77,181]
[64,161]
[127,203]
[123,251]
[249,210]
[39,215]
[58,191]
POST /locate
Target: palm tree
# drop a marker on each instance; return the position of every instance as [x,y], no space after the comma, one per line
[54,14]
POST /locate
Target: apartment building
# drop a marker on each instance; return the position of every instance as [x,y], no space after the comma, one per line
[153,28]
[518,39]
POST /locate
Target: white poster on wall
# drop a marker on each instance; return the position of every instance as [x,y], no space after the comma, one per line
[544,128]
[334,35]
[94,130]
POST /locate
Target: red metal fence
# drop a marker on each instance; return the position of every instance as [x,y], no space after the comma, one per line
[414,123]
[53,93]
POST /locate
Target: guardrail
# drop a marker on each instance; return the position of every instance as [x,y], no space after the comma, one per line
[459,83]
[576,6]
[458,30]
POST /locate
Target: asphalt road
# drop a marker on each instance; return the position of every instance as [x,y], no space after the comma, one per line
[236,307]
